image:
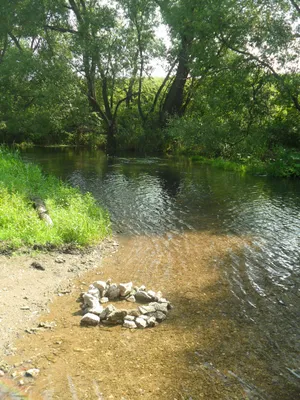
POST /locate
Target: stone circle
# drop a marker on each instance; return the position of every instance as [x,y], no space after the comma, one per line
[153,310]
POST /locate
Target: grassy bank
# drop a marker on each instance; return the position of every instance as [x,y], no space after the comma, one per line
[288,165]
[77,219]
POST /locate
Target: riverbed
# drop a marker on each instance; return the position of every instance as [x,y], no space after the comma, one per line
[221,246]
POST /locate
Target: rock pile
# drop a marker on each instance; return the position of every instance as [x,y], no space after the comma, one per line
[153,311]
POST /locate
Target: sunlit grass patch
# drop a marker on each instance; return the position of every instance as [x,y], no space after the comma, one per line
[77,218]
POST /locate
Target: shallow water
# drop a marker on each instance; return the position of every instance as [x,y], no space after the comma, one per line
[224,248]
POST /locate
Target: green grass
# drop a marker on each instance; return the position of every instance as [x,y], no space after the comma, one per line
[77,219]
[285,165]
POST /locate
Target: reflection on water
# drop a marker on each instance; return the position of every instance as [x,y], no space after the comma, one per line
[154,196]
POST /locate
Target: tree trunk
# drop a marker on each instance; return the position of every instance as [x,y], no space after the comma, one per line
[111,144]
[173,104]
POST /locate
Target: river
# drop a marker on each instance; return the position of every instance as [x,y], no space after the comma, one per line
[224,247]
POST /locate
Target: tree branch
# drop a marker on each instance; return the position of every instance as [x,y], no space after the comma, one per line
[268,66]
[60,29]
[15,40]
[122,101]
[3,51]
[162,86]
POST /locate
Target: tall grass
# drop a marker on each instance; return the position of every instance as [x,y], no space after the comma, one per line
[77,219]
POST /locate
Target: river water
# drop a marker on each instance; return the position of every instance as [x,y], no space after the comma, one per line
[224,248]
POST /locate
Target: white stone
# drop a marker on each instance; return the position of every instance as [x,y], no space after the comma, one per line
[96,310]
[129,324]
[90,319]
[2,373]
[142,288]
[152,294]
[90,301]
[125,288]
[145,317]
[159,295]
[33,372]
[141,323]
[104,300]
[94,292]
[131,299]
[129,318]
[101,285]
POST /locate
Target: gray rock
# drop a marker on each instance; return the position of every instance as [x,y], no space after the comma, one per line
[37,265]
[33,372]
[163,307]
[143,297]
[116,317]
[141,323]
[60,260]
[108,310]
[113,292]
[90,319]
[162,300]
[129,324]
[131,299]
[134,313]
[146,309]
[125,288]
[160,316]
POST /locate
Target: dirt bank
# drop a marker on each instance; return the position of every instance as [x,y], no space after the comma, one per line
[26,291]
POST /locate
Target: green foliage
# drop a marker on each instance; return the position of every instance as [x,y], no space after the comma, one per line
[77,219]
[74,71]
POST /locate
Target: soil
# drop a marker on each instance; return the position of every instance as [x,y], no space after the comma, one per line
[27,291]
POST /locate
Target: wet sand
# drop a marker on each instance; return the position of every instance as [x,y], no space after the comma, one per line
[205,349]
